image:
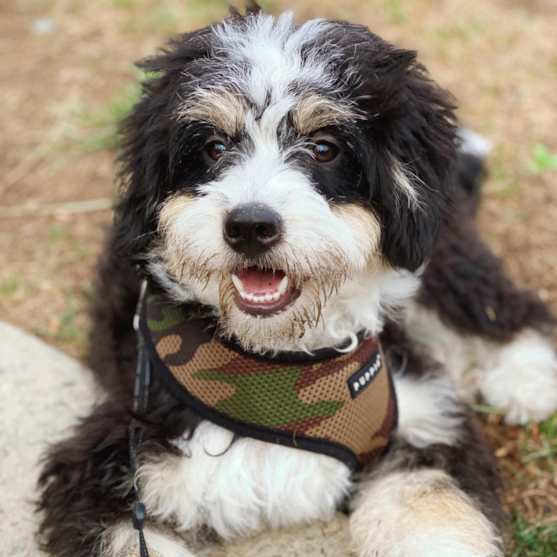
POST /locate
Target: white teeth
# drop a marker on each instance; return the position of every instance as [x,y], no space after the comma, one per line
[238,284]
[258,299]
[283,285]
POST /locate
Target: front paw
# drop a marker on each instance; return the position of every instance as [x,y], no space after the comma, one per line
[523,380]
[420,514]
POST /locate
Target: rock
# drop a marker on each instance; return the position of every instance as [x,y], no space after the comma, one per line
[42,392]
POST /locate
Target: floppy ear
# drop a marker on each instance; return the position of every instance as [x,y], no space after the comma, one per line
[410,125]
[418,156]
[253,7]
[148,135]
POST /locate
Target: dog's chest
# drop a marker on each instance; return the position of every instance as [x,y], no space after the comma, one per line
[241,487]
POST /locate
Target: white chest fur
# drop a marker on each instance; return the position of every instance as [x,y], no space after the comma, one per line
[243,487]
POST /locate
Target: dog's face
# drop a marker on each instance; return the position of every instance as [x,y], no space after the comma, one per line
[276,171]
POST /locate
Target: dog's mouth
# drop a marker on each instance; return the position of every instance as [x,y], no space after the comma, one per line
[263,291]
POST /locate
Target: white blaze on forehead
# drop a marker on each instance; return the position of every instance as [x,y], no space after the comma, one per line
[269,55]
[258,63]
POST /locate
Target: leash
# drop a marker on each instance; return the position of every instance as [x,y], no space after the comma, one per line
[140,403]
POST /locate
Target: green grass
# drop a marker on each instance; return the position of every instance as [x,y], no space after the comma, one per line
[58,234]
[534,541]
[165,18]
[396,11]
[542,160]
[68,329]
[511,188]
[103,121]
[9,286]
[541,445]
[96,128]
[122,3]
[465,31]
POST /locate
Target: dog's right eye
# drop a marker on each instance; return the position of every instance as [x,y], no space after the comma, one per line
[216,149]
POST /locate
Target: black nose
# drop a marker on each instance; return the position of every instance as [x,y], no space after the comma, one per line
[252,229]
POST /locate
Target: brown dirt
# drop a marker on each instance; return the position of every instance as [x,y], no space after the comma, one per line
[498,58]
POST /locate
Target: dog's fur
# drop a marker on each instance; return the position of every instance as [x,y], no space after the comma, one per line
[379,240]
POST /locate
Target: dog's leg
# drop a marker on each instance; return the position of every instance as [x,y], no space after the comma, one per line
[412,507]
[493,337]
[87,489]
[435,493]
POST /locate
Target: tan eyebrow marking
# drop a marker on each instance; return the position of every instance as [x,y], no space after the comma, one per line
[314,112]
[218,106]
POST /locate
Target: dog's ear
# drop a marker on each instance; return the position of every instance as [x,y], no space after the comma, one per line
[148,134]
[416,153]
[409,127]
[253,7]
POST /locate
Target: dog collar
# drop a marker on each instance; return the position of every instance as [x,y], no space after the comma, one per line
[338,404]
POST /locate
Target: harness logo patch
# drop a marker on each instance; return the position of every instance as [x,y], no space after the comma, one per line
[363,378]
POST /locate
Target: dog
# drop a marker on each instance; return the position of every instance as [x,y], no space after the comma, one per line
[301,188]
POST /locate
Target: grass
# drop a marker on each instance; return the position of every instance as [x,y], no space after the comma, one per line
[96,128]
[72,248]
[64,328]
[10,285]
[99,125]
[543,160]
[396,11]
[533,541]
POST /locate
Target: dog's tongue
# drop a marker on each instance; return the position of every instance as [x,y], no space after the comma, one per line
[260,282]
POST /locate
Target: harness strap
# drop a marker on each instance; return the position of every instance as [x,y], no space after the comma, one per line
[140,403]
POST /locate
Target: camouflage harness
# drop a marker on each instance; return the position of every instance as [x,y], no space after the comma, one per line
[338,404]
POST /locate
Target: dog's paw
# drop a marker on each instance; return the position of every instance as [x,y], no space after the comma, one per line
[523,380]
[420,513]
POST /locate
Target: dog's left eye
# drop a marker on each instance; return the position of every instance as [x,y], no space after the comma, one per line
[323,151]
[216,149]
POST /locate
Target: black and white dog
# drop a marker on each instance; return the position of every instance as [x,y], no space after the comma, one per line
[324,161]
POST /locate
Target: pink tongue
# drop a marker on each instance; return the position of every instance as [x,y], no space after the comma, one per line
[259,282]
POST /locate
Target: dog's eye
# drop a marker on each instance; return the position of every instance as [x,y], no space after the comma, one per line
[324,151]
[216,149]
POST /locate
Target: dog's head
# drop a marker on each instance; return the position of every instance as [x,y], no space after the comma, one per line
[283,175]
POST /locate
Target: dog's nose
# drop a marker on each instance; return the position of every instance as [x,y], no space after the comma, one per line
[252,229]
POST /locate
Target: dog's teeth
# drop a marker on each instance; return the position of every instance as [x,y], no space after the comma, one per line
[249,296]
[268,297]
[238,284]
[243,295]
[276,296]
[283,285]
[258,299]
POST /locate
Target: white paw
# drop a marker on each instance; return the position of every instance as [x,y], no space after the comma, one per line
[523,380]
[419,513]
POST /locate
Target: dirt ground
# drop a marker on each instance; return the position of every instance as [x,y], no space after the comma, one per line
[66,76]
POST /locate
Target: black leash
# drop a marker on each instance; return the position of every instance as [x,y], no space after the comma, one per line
[140,402]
